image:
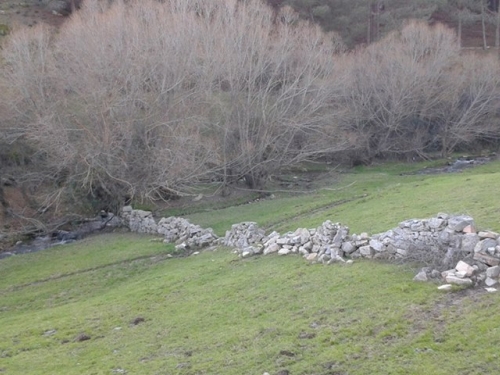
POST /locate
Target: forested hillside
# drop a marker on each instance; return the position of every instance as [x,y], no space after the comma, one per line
[366,21]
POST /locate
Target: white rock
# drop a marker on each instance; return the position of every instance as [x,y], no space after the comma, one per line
[311,257]
[445,274]
[445,287]
[491,290]
[465,268]
[490,282]
[402,252]
[284,251]
[272,249]
[458,281]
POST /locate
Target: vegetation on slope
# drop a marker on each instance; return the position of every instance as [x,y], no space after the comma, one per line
[111,107]
[145,312]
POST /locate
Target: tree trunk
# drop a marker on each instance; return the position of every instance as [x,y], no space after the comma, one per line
[460,30]
[497,30]
[483,24]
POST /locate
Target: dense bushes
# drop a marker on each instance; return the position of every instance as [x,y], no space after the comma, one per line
[147,98]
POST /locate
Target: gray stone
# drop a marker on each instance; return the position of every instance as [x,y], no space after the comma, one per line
[283,241]
[458,223]
[488,234]
[469,241]
[348,247]
[435,223]
[421,276]
[484,245]
[377,245]
[443,215]
[272,249]
[366,251]
[486,259]
[493,272]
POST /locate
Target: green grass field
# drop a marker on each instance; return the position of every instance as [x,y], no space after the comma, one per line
[147,313]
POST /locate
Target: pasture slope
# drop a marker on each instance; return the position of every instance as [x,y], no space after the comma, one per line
[123,304]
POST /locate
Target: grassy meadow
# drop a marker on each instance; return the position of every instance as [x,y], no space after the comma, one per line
[145,312]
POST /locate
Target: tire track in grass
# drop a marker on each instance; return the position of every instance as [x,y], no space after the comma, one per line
[303,214]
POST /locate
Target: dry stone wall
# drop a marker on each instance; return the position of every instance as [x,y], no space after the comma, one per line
[454,250]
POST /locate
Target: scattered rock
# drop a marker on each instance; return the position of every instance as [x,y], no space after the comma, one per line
[421,276]
[450,279]
[138,320]
[307,335]
[445,287]
[82,337]
[287,353]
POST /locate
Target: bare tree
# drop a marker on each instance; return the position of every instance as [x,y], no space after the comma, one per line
[393,86]
[467,112]
[120,107]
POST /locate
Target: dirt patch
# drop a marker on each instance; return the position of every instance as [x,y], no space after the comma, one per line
[436,316]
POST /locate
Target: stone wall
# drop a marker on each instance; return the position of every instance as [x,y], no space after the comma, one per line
[450,245]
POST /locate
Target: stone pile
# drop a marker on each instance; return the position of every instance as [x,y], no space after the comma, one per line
[442,236]
[323,244]
[142,222]
[185,234]
[441,241]
[173,229]
[244,234]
